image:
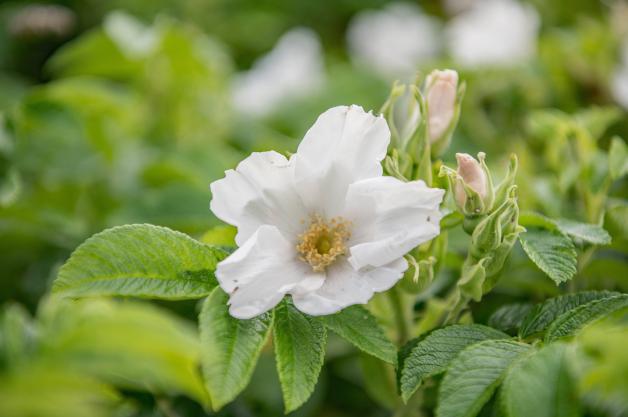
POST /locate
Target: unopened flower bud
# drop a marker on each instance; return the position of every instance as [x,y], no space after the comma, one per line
[443,102]
[473,176]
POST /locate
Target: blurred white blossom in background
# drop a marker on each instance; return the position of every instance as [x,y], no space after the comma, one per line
[293,69]
[393,41]
[42,20]
[493,32]
[134,38]
[619,83]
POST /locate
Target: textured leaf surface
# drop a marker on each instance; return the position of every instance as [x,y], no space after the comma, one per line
[540,385]
[573,320]
[473,376]
[230,348]
[140,260]
[552,252]
[300,351]
[357,325]
[544,314]
[509,317]
[587,232]
[432,355]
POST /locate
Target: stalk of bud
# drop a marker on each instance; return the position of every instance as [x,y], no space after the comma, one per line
[443,97]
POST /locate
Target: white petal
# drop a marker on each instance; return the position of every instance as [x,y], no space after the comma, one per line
[344,145]
[344,286]
[262,271]
[259,191]
[390,217]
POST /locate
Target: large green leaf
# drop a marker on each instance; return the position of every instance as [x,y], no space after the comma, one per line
[552,252]
[357,325]
[432,355]
[140,260]
[474,375]
[573,320]
[131,344]
[230,347]
[586,232]
[300,351]
[540,385]
[544,314]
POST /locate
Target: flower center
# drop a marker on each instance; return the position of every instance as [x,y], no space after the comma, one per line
[323,241]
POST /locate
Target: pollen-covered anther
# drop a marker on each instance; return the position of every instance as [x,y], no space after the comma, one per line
[324,241]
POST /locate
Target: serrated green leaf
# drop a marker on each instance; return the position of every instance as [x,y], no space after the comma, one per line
[357,325]
[618,158]
[590,233]
[509,317]
[552,252]
[300,342]
[474,375]
[542,315]
[432,354]
[230,347]
[140,260]
[540,385]
[573,320]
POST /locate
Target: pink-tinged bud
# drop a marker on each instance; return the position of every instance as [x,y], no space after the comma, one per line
[473,176]
[441,95]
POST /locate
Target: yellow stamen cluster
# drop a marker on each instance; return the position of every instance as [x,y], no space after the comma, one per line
[323,241]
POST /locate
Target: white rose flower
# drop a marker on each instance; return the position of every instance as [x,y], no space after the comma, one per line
[494,32]
[393,41]
[323,226]
[293,69]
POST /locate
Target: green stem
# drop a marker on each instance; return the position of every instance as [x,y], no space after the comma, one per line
[454,312]
[398,308]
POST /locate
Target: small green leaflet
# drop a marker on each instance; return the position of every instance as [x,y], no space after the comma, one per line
[230,347]
[552,252]
[540,385]
[573,320]
[140,260]
[357,325]
[300,342]
[474,375]
[544,314]
[586,232]
[432,355]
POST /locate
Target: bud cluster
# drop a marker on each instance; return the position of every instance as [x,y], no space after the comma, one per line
[491,218]
[422,121]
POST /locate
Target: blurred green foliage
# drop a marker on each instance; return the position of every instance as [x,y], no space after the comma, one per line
[125,117]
